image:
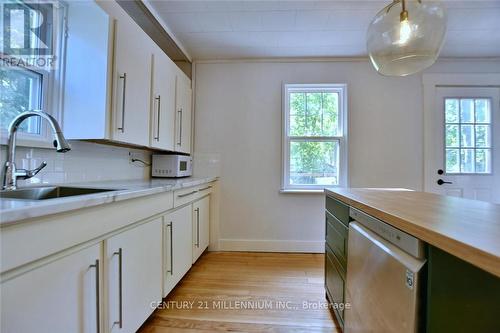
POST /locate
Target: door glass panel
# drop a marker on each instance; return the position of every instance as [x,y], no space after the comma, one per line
[466,110]
[482,110]
[452,139]
[467,135]
[468,131]
[467,160]
[452,160]
[483,136]
[451,109]
[483,160]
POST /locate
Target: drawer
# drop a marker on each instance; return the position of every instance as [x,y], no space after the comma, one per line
[335,282]
[185,195]
[338,209]
[204,189]
[336,238]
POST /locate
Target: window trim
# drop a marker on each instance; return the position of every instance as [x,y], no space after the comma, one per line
[286,187]
[52,87]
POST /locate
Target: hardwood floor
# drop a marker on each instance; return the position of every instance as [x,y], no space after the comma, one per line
[247,292]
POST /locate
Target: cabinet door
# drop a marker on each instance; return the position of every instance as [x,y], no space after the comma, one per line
[132,81]
[201,226]
[134,262]
[162,102]
[62,296]
[177,246]
[183,94]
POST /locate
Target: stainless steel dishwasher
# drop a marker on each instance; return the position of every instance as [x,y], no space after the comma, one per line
[383,285]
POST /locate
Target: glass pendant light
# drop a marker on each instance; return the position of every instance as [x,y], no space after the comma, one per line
[406,36]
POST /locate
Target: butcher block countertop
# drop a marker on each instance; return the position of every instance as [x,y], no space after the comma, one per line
[467,229]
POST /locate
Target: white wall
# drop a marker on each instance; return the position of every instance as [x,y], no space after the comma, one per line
[85,162]
[238,118]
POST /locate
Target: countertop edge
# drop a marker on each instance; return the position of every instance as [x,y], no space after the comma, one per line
[473,255]
[14,216]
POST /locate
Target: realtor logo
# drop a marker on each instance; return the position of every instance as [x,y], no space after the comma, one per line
[27,37]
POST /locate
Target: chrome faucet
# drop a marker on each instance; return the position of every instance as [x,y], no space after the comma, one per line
[11,173]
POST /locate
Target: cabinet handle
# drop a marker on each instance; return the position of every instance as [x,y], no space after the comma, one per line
[180,127]
[120,289]
[124,77]
[97,296]
[171,271]
[157,138]
[205,188]
[197,227]
[186,194]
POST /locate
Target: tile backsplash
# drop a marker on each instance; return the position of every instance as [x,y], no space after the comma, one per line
[85,162]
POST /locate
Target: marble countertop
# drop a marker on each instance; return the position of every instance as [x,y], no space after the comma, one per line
[467,229]
[14,210]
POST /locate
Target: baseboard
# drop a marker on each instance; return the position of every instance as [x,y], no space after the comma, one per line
[252,245]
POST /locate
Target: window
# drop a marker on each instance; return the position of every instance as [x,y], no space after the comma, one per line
[468,135]
[314,136]
[30,76]
[21,91]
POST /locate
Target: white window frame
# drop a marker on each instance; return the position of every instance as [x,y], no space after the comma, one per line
[342,137]
[52,87]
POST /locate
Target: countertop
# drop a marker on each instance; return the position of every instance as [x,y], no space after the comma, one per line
[467,229]
[15,210]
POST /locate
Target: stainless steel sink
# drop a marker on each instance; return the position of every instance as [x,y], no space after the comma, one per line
[49,192]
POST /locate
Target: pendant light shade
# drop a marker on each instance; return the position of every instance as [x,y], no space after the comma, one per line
[406,36]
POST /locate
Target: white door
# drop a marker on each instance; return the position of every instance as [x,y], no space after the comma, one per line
[177,246]
[465,159]
[134,262]
[62,296]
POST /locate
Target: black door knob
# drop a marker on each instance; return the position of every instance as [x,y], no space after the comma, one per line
[440,171]
[441,182]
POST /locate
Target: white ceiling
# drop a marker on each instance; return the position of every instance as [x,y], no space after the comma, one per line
[329,28]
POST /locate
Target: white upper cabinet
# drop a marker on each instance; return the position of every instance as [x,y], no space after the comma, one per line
[162,101]
[131,81]
[183,95]
[119,85]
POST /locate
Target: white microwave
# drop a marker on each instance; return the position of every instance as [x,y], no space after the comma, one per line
[172,166]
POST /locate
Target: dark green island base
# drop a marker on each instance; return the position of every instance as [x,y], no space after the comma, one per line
[459,297]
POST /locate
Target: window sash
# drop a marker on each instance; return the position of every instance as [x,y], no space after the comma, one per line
[341,137]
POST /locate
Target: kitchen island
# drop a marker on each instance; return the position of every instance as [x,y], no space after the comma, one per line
[462,248]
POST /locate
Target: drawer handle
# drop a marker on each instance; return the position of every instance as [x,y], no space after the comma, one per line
[205,188]
[186,194]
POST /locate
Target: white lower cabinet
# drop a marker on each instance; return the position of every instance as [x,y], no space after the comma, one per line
[201,226]
[111,286]
[62,296]
[176,246]
[134,275]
